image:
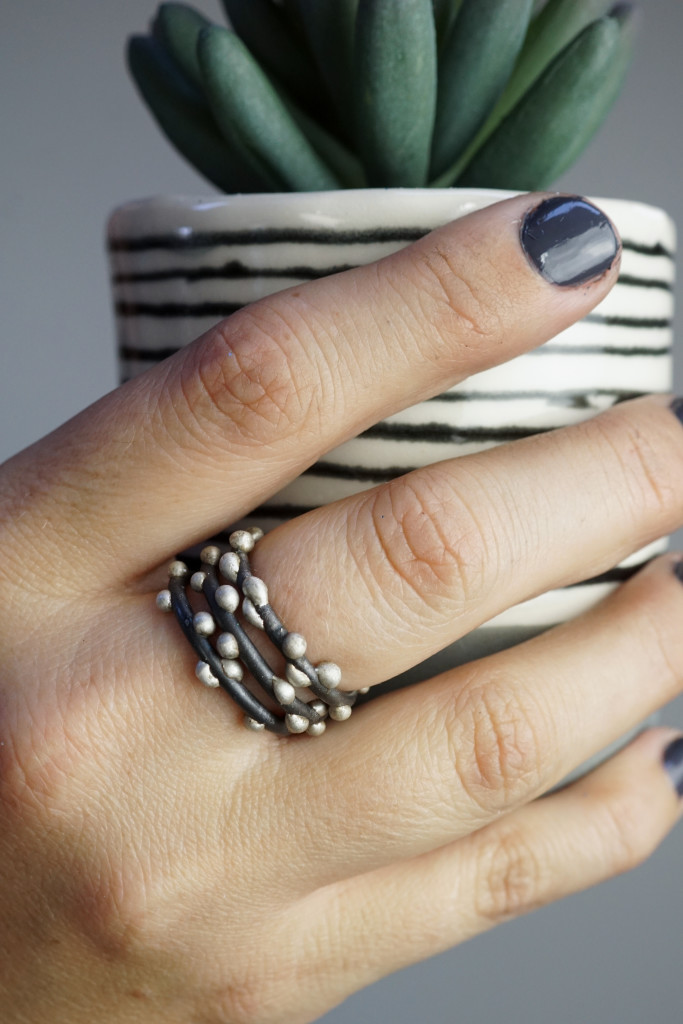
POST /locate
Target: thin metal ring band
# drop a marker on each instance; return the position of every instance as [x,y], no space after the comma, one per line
[224,664]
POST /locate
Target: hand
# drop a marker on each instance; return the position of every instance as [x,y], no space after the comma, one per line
[160,863]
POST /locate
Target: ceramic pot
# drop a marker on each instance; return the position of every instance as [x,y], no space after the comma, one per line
[181,264]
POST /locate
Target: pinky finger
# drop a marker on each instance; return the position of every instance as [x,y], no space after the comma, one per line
[604,824]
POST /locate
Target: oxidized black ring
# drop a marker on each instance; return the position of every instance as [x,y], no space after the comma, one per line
[224,662]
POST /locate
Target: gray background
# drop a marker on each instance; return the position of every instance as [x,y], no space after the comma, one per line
[75,143]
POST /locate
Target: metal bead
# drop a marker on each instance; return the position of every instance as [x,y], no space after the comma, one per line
[204,624]
[252,724]
[227,646]
[284,691]
[364,689]
[329,674]
[316,728]
[293,646]
[205,675]
[341,712]
[233,670]
[227,597]
[250,613]
[321,707]
[210,554]
[177,568]
[256,532]
[229,565]
[256,590]
[296,723]
[296,676]
[242,540]
[164,603]
[197,581]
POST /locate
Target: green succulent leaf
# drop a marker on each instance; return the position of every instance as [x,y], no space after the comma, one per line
[555,26]
[330,28]
[558,115]
[348,169]
[474,66]
[445,13]
[395,89]
[177,27]
[184,117]
[253,118]
[264,28]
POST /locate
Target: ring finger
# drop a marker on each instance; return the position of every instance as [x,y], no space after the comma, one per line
[421,767]
[407,568]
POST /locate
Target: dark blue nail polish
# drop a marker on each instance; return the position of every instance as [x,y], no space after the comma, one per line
[568,240]
[678,569]
[677,408]
[673,762]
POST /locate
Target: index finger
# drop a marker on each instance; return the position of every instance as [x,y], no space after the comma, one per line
[177,454]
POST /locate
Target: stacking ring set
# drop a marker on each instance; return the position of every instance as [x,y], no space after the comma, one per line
[307,695]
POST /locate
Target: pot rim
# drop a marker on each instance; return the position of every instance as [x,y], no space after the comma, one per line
[184,212]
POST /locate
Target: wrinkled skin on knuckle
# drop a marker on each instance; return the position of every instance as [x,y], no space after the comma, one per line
[497,740]
[640,465]
[623,830]
[511,878]
[469,305]
[250,379]
[426,540]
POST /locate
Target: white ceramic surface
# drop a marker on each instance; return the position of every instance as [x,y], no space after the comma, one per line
[180,264]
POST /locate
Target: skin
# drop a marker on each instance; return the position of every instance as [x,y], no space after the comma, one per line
[160,863]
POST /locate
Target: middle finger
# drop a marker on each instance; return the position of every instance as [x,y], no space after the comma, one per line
[397,573]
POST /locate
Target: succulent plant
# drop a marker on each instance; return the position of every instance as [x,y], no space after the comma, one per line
[304,95]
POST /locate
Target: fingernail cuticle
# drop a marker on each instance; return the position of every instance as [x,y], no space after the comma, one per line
[568,240]
[673,763]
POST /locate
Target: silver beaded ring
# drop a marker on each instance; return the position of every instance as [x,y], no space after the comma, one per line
[225,661]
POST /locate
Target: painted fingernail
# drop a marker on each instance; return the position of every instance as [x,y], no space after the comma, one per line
[673,763]
[568,240]
[677,408]
[678,569]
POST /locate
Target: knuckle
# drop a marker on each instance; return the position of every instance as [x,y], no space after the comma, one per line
[428,539]
[472,306]
[247,1000]
[253,374]
[642,463]
[497,744]
[622,832]
[510,877]
[658,639]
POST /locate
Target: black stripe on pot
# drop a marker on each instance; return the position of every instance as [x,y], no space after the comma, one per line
[173,310]
[340,471]
[268,236]
[445,433]
[644,282]
[658,249]
[192,310]
[616,575]
[636,322]
[234,270]
[157,354]
[271,236]
[551,349]
[570,399]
